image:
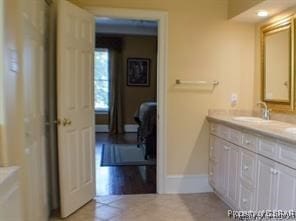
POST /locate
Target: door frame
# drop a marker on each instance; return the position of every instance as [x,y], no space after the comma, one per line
[161,17]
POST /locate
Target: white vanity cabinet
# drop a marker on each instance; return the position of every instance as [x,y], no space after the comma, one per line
[265,183]
[250,171]
[223,175]
[232,174]
[276,185]
[285,187]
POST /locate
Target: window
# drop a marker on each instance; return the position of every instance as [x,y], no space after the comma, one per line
[101,79]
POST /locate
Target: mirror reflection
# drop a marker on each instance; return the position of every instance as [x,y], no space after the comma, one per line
[277,65]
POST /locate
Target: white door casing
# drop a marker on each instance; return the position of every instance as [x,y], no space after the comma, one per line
[75,106]
[161,17]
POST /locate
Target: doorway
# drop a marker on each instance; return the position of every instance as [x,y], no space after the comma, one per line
[162,21]
[125,98]
[76,113]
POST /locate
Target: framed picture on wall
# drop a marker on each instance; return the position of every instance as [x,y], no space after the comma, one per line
[138,72]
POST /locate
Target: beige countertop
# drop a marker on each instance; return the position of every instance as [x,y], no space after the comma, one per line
[273,128]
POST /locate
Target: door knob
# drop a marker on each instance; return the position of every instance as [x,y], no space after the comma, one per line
[66,122]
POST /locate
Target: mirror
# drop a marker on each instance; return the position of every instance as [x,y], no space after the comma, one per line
[277,65]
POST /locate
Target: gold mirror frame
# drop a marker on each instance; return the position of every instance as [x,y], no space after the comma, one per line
[282,106]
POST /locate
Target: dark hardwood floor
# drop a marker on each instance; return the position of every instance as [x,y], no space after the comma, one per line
[118,180]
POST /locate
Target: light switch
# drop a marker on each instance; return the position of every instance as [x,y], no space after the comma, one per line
[13,62]
[233,99]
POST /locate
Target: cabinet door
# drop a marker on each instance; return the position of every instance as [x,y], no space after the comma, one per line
[214,171]
[285,188]
[222,164]
[248,168]
[233,165]
[246,197]
[265,183]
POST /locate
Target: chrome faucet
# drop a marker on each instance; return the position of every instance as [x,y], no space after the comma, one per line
[265,110]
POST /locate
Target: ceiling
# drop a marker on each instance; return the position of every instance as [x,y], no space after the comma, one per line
[273,7]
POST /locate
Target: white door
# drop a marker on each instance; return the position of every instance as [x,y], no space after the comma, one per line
[75,106]
[34,19]
[265,183]
[285,189]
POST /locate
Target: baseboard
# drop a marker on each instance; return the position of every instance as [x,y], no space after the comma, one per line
[128,128]
[187,184]
[102,128]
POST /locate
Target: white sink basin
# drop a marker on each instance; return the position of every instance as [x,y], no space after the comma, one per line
[251,119]
[291,130]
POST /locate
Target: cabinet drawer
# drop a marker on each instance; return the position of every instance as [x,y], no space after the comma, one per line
[223,132]
[268,148]
[220,130]
[248,167]
[250,141]
[246,198]
[214,129]
[287,154]
[235,137]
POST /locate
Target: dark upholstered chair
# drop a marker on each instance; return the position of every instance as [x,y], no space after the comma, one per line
[146,119]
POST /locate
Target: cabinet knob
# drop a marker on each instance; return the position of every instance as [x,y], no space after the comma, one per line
[272,170]
[245,200]
[226,148]
[246,167]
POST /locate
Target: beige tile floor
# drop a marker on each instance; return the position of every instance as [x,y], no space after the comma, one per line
[153,207]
